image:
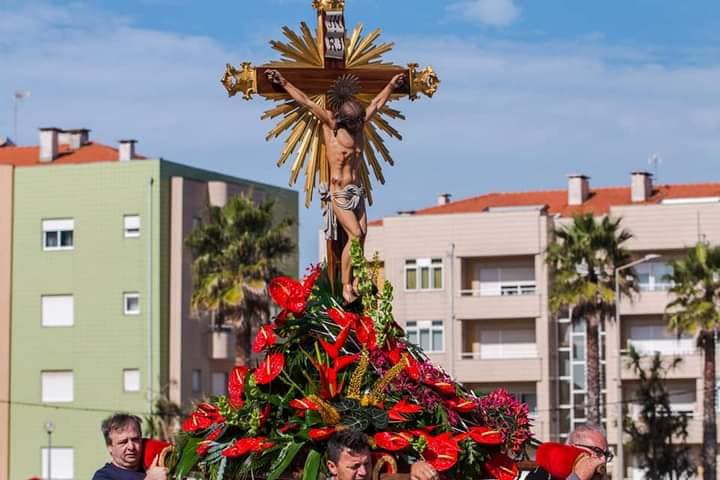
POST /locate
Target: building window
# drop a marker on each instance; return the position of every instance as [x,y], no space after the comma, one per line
[219,383]
[61,461]
[424,274]
[131,226]
[196,381]
[196,222]
[57,310]
[58,234]
[131,303]
[57,386]
[428,335]
[131,380]
[654,276]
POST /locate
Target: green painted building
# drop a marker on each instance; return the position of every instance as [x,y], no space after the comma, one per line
[100,287]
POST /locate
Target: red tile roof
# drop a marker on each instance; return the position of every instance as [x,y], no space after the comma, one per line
[599,201]
[91,152]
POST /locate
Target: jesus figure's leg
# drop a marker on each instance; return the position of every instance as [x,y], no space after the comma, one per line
[354,226]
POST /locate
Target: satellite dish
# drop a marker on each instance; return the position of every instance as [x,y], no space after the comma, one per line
[6,142]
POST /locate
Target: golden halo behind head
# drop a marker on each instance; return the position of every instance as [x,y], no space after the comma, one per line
[344,89]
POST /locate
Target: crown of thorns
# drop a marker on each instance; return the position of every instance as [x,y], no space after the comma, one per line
[342,90]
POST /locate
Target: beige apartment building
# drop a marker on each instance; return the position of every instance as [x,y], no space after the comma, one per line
[471,287]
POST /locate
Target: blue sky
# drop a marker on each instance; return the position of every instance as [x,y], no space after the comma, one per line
[532,90]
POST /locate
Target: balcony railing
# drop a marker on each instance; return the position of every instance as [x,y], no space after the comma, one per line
[666,346]
[504,351]
[493,289]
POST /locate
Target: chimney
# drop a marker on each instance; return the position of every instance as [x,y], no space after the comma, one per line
[443,198]
[78,137]
[640,186]
[48,144]
[578,189]
[126,150]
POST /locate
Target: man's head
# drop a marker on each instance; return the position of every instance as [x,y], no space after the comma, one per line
[123,437]
[348,456]
[350,116]
[592,439]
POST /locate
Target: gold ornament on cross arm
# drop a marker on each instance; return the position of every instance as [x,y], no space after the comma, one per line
[244,80]
[328,5]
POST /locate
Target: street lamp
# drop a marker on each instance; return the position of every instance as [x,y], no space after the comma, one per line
[49,428]
[619,469]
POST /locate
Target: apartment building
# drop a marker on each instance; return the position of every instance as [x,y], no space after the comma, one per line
[471,287]
[95,286]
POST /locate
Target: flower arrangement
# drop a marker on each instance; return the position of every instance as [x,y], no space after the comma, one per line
[327,368]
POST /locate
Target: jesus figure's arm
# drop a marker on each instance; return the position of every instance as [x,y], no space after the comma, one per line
[381,98]
[299,96]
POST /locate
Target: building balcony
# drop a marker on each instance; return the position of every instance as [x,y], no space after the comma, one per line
[497,370]
[646,302]
[498,306]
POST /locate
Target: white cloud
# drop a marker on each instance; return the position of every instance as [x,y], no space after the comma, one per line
[496,13]
[507,116]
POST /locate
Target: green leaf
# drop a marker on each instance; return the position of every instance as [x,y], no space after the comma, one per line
[188,458]
[284,459]
[312,465]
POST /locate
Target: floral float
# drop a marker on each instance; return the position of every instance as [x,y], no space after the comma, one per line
[329,367]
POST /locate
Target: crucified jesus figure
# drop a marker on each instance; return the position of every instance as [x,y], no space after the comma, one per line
[343,124]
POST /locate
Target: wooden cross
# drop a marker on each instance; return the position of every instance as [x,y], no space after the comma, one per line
[312,63]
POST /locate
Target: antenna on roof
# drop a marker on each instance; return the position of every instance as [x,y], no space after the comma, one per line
[20,95]
[654,161]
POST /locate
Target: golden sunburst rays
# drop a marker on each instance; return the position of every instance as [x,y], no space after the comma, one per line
[304,138]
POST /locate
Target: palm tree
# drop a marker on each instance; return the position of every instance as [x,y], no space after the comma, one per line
[235,253]
[584,257]
[696,289]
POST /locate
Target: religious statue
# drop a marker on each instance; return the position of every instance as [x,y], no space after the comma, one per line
[342,126]
[333,90]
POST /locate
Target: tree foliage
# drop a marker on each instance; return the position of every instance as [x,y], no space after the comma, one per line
[584,258]
[696,291]
[658,434]
[235,253]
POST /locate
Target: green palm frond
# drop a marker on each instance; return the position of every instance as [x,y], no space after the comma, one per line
[695,281]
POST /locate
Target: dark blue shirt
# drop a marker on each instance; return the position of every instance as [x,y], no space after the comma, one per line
[111,472]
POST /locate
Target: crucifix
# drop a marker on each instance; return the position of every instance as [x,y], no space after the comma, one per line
[316,66]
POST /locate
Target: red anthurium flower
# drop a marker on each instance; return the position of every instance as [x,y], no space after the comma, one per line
[441,452]
[392,442]
[343,318]
[203,417]
[243,446]
[309,281]
[341,363]
[333,349]
[288,294]
[365,330]
[236,386]
[461,405]
[486,436]
[320,434]
[412,368]
[269,368]
[328,382]
[501,467]
[395,351]
[289,427]
[444,387]
[265,338]
[398,411]
[303,404]
[282,318]
[205,444]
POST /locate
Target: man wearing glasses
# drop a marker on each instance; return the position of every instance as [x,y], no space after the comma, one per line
[592,439]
